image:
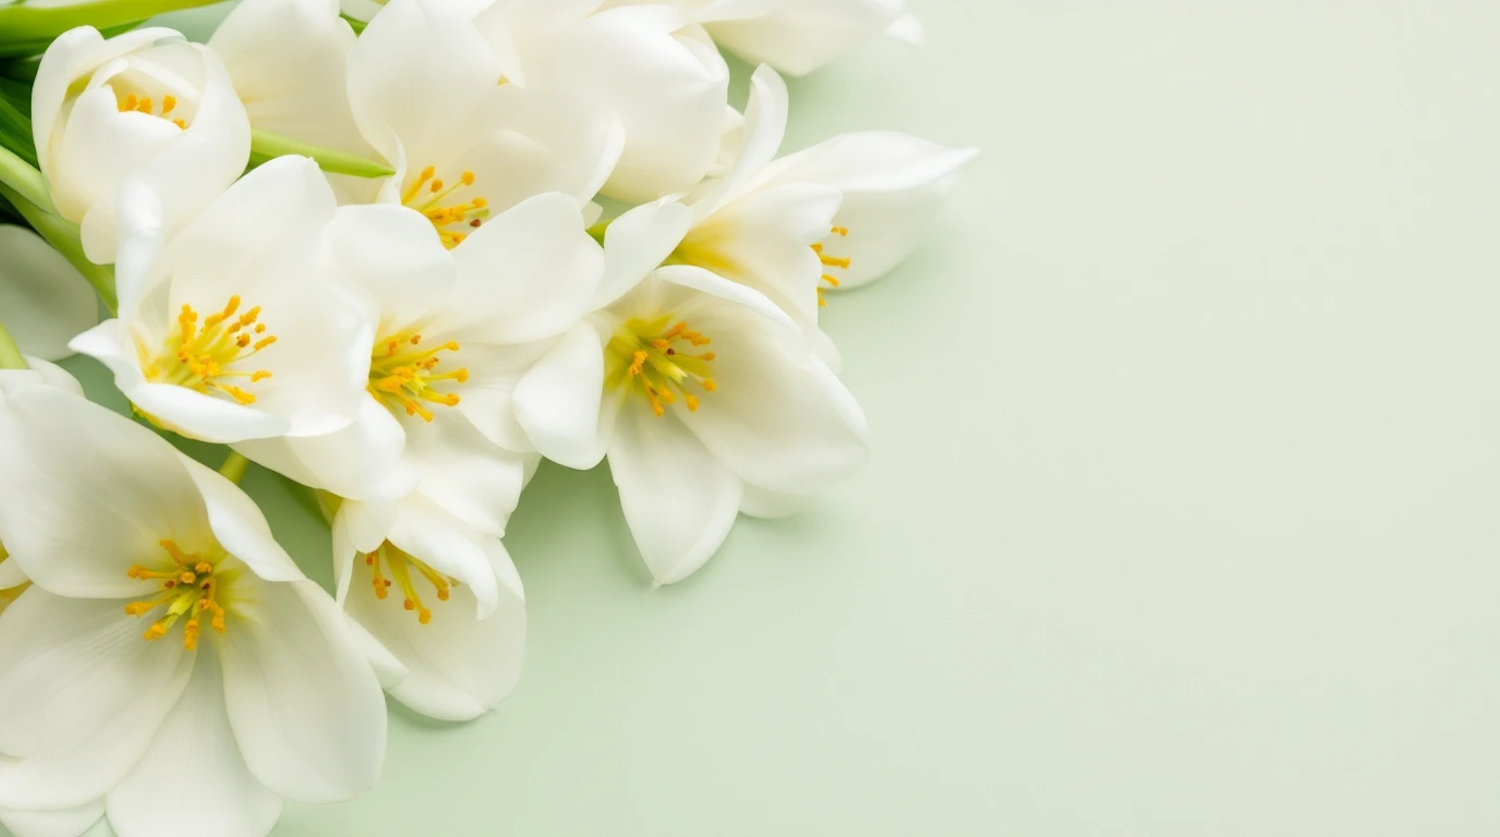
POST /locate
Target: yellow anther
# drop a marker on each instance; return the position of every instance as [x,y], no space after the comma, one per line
[429,195]
[401,566]
[832,262]
[189,586]
[654,359]
[145,105]
[129,103]
[402,379]
[204,357]
[168,103]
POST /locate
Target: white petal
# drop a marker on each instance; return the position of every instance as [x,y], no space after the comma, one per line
[679,501]
[463,472]
[486,401]
[44,301]
[239,525]
[760,502]
[893,185]
[389,671]
[102,492]
[907,29]
[289,62]
[529,274]
[665,80]
[40,373]
[393,253]
[779,421]
[417,74]
[305,707]
[759,140]
[362,461]
[801,37]
[558,401]
[763,240]
[459,665]
[217,793]
[83,696]
[68,822]
[637,243]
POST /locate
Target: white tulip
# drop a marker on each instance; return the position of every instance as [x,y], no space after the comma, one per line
[168,656]
[456,330]
[44,302]
[837,215]
[144,103]
[427,91]
[649,63]
[441,598]
[703,395]
[235,329]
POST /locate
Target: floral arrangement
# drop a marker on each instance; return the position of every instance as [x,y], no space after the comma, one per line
[367,248]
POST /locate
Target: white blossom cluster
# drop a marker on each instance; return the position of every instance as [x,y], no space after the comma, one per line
[366,248]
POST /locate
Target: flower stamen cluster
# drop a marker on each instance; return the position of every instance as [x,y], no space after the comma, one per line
[426,195]
[200,357]
[404,379]
[401,565]
[650,362]
[190,587]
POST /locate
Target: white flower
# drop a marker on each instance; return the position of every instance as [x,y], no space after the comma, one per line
[702,394]
[456,331]
[649,63]
[141,103]
[13,581]
[288,61]
[443,599]
[44,302]
[235,329]
[799,36]
[428,93]
[837,215]
[66,822]
[168,656]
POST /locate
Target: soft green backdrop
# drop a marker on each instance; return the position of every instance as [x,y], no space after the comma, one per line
[1183,514]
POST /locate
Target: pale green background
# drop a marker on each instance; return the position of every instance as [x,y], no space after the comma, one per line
[1182,519]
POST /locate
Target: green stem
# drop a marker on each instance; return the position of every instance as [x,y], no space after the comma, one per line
[25,180]
[24,25]
[265,146]
[10,354]
[234,467]
[62,234]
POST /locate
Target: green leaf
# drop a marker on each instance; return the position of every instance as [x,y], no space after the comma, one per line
[27,30]
[15,132]
[23,178]
[265,146]
[18,93]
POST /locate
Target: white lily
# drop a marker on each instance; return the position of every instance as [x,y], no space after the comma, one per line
[44,302]
[168,656]
[235,329]
[144,103]
[428,93]
[837,215]
[456,330]
[442,598]
[703,395]
[289,63]
[799,36]
[649,63]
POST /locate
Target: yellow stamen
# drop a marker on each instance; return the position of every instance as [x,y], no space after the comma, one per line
[205,357]
[427,195]
[403,379]
[190,586]
[401,565]
[655,359]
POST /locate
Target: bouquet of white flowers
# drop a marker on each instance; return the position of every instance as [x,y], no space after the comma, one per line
[368,248]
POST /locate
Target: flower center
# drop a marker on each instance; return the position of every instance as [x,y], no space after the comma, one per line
[201,357]
[649,357]
[402,374]
[831,263]
[191,586]
[146,105]
[401,566]
[429,196]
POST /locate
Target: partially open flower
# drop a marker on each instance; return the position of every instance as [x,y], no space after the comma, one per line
[144,103]
[235,329]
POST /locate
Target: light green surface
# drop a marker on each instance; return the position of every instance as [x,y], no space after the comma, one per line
[1183,514]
